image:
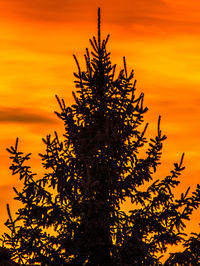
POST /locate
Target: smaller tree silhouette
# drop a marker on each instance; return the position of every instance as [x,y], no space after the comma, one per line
[72,215]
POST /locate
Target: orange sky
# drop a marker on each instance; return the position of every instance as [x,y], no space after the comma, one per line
[160,40]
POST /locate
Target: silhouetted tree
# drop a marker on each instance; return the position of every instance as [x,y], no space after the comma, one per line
[73,215]
[5,258]
[189,256]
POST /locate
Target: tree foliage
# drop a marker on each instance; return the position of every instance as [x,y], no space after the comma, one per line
[72,215]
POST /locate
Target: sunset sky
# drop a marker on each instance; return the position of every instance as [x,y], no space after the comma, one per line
[161,42]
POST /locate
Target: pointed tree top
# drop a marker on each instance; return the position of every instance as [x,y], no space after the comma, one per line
[99,27]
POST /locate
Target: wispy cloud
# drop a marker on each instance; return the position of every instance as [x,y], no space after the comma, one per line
[76,10]
[143,12]
[20,115]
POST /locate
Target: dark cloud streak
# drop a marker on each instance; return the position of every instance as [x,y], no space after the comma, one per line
[155,14]
[21,115]
[78,10]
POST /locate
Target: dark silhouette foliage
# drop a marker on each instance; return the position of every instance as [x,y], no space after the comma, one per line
[190,255]
[73,215]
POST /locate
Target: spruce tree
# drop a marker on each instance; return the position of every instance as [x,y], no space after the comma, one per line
[189,256]
[72,215]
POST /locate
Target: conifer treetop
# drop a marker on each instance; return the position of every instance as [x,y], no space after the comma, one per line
[92,170]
